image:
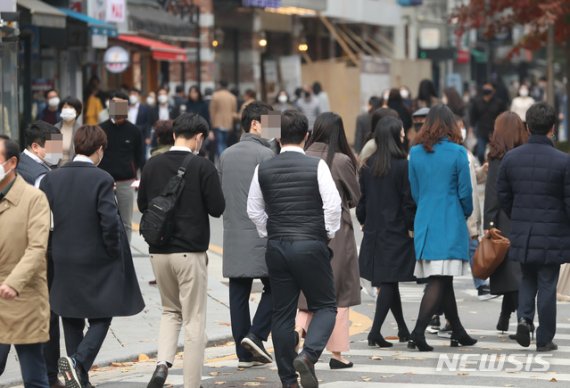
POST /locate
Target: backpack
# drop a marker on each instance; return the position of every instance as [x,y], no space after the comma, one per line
[157,222]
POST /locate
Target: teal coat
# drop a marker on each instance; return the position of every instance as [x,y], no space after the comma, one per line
[441,187]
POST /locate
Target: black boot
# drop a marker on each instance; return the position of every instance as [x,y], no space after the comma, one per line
[378,340]
[503,323]
[419,342]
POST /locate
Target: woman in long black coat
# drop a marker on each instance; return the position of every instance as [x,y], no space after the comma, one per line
[386,211]
[509,133]
[94,276]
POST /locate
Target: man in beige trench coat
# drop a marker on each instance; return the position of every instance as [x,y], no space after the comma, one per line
[24,306]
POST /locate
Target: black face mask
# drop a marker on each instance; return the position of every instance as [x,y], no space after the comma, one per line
[418,126]
[487,92]
[307,94]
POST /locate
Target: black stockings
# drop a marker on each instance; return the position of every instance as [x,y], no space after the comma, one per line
[388,299]
[439,294]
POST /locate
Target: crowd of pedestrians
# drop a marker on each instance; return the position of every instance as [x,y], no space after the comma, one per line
[287,206]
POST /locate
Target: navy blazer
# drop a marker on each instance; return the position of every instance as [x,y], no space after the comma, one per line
[144,120]
[534,192]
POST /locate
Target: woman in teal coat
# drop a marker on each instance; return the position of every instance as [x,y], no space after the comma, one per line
[441,187]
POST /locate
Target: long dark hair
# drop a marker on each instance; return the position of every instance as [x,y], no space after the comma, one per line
[329,129]
[454,101]
[197,89]
[426,91]
[440,123]
[387,135]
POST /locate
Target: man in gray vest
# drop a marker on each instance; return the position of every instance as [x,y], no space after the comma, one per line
[244,251]
[44,150]
[293,201]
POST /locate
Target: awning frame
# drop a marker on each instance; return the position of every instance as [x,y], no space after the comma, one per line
[160,51]
[44,15]
[96,26]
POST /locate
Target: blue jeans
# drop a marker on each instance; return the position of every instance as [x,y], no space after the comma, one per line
[482,142]
[33,366]
[473,244]
[221,140]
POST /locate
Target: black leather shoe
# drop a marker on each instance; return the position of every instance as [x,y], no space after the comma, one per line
[337,364]
[306,369]
[158,377]
[547,348]
[255,346]
[524,330]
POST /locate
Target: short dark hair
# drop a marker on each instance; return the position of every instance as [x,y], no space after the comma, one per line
[49,91]
[88,139]
[74,102]
[294,127]
[163,132]
[38,132]
[253,111]
[375,102]
[251,93]
[223,84]
[11,148]
[120,95]
[187,125]
[179,89]
[135,90]
[378,115]
[540,118]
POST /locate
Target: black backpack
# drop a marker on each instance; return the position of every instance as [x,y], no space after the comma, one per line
[157,224]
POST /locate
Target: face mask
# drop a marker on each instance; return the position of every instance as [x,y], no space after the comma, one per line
[487,92]
[53,102]
[307,94]
[418,126]
[444,100]
[404,93]
[282,98]
[386,96]
[133,100]
[68,114]
[463,134]
[523,92]
[182,108]
[150,101]
[162,99]
[3,172]
[53,159]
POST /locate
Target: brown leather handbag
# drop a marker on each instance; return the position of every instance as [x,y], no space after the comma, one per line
[490,253]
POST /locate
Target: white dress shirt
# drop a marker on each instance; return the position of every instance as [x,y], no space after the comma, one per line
[163,112]
[82,158]
[329,194]
[134,112]
[38,160]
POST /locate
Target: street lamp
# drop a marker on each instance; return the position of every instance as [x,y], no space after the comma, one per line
[303,46]
[262,42]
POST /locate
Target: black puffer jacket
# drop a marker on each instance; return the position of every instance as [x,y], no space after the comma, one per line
[534,191]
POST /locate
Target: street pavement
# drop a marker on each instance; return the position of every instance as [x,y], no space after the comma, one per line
[133,339]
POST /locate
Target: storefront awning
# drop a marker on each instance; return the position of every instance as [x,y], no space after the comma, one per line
[160,51]
[43,15]
[155,21]
[96,26]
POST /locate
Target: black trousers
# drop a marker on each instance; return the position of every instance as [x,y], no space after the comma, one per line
[4,350]
[84,348]
[242,325]
[51,348]
[296,266]
[539,283]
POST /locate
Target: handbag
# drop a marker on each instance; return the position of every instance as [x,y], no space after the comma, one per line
[490,253]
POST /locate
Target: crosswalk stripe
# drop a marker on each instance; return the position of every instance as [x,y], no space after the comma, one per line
[354,384]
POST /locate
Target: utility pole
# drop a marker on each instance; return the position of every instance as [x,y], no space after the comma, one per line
[550,65]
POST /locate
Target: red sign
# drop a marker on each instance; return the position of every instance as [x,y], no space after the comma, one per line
[463,57]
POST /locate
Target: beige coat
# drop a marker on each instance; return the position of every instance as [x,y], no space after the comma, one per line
[25,223]
[223,107]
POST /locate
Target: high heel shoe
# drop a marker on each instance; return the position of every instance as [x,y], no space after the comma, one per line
[503,323]
[525,330]
[462,339]
[403,335]
[378,340]
[419,343]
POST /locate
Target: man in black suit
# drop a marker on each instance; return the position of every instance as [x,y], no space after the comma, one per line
[141,116]
[293,202]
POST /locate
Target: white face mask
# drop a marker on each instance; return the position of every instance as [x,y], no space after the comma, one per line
[523,92]
[282,98]
[444,100]
[150,101]
[404,93]
[53,102]
[386,95]
[3,172]
[162,99]
[133,100]
[53,159]
[68,114]
[463,133]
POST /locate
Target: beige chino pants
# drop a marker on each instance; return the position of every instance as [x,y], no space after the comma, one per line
[182,279]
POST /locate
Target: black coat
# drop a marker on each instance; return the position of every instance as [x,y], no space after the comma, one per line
[534,191]
[387,210]
[507,277]
[94,276]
